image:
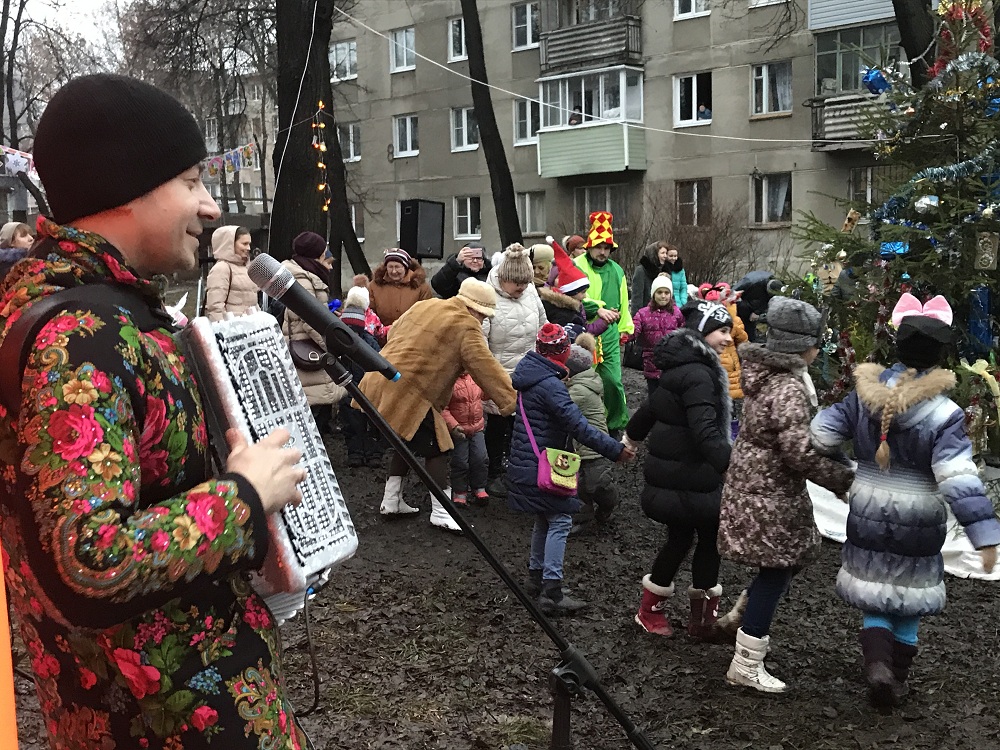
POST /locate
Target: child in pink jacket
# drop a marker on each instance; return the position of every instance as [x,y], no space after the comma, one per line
[469,462]
[661,316]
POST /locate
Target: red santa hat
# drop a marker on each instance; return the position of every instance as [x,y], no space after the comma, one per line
[570,278]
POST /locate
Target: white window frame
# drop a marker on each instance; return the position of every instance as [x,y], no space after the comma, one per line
[531,211]
[592,11]
[353,151]
[460,132]
[531,40]
[470,232]
[764,3]
[694,12]
[678,82]
[258,192]
[356,209]
[564,90]
[761,72]
[211,128]
[762,208]
[697,185]
[349,49]
[254,91]
[398,39]
[526,107]
[412,136]
[464,54]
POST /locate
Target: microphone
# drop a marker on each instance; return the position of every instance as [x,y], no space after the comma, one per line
[277,282]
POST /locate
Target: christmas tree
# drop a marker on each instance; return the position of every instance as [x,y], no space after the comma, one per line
[939,229]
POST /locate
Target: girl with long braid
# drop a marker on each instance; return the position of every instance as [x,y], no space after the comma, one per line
[913,456]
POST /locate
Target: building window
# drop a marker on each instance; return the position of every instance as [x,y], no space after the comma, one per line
[255,91]
[612,95]
[456,40]
[694,203]
[258,192]
[344,60]
[586,11]
[527,120]
[211,128]
[772,198]
[358,221]
[531,210]
[772,88]
[464,129]
[690,8]
[526,20]
[613,198]
[841,56]
[693,99]
[467,225]
[402,54]
[872,186]
[350,141]
[405,140]
[274,123]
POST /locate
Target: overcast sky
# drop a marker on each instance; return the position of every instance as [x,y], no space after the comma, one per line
[77,14]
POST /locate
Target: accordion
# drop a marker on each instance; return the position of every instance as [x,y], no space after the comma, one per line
[248,381]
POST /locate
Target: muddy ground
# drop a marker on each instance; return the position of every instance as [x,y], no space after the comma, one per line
[420,646]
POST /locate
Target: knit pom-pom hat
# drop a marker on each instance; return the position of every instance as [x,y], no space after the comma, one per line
[552,342]
[515,266]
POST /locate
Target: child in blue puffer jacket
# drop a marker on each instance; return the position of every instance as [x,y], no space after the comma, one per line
[544,405]
[913,456]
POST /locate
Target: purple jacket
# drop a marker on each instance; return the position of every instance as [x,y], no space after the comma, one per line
[651,325]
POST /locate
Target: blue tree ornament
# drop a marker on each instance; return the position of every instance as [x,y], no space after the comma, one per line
[874,81]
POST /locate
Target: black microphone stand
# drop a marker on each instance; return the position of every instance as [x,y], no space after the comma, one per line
[574,672]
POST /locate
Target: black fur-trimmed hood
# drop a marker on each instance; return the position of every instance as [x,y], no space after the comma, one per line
[684,347]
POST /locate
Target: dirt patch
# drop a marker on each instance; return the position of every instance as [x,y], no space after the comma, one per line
[419,645]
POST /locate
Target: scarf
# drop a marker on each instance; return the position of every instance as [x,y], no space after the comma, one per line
[313,266]
[676,267]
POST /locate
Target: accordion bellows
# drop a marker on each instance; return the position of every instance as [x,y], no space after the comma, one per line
[248,381]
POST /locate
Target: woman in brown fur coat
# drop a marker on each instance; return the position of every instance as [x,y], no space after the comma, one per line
[397,284]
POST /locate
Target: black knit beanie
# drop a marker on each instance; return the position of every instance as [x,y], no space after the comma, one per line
[105,140]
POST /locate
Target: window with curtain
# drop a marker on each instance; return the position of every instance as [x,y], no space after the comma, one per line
[772,198]
[772,88]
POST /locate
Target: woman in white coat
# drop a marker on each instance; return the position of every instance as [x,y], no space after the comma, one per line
[510,335]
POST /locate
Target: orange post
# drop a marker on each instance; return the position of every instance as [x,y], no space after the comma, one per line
[8,720]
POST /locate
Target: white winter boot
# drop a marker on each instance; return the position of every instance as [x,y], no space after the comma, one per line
[440,517]
[392,500]
[747,667]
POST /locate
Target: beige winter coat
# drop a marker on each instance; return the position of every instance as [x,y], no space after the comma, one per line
[317,385]
[229,288]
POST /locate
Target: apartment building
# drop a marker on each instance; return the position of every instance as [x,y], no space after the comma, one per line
[675,105]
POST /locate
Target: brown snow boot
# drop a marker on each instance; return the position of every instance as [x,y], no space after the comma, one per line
[704,613]
[877,647]
[903,655]
[653,608]
[727,625]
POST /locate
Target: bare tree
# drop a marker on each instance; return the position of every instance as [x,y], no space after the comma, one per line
[504,202]
[724,248]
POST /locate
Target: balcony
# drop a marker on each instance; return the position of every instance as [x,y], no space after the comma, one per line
[837,118]
[605,147]
[597,44]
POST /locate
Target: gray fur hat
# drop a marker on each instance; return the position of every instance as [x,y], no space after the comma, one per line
[793,326]
[580,360]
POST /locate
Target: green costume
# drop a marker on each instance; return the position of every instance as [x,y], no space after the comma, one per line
[608,286]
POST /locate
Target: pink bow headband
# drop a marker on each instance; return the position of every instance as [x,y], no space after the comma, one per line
[936,307]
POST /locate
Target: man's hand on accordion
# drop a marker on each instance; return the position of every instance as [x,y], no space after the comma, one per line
[269,467]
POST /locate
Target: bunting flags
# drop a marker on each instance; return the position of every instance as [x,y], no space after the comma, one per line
[241,157]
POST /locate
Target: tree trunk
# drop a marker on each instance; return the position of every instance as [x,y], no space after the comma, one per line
[13,137]
[295,207]
[916,31]
[489,133]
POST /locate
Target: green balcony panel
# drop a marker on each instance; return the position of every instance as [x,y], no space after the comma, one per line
[591,149]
